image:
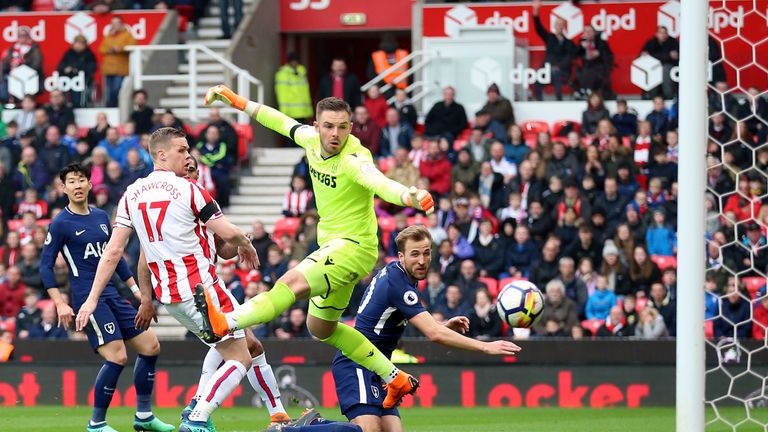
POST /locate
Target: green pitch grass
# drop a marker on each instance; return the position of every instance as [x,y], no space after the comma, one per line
[444,419]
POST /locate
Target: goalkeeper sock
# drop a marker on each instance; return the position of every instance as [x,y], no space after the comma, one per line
[103,389]
[263,308]
[357,348]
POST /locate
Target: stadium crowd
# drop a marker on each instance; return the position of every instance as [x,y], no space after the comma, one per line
[586,210]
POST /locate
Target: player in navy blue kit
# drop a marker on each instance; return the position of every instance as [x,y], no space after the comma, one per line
[389,303]
[81,233]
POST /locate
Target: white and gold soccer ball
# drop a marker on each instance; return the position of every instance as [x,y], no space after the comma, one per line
[520,303]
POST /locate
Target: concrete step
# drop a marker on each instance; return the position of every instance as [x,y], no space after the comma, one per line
[256,210]
[272,170]
[184,90]
[210,21]
[255,200]
[248,220]
[203,78]
[211,43]
[210,32]
[173,102]
[263,190]
[264,180]
[203,67]
[282,156]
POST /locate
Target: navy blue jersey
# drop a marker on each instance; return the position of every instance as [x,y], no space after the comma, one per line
[388,303]
[81,239]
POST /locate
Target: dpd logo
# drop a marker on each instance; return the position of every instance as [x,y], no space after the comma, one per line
[22,81]
[80,24]
[65,83]
[484,72]
[527,76]
[138,30]
[573,17]
[519,24]
[602,22]
[647,72]
[669,17]
[462,16]
[37,32]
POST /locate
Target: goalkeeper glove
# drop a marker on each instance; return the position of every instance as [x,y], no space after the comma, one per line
[225,94]
[420,200]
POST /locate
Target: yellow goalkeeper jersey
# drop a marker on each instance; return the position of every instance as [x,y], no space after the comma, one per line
[344,185]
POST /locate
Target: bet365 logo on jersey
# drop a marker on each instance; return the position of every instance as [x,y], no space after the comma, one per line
[323,178]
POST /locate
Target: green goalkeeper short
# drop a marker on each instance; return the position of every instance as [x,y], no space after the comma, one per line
[332,273]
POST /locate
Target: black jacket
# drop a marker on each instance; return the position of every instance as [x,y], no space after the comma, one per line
[443,119]
[559,53]
[490,257]
[661,51]
[83,61]
[351,89]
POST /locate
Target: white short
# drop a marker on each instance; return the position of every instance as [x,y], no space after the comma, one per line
[188,316]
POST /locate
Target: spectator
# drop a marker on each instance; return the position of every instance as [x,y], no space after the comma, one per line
[625,121]
[340,84]
[12,292]
[227,133]
[29,315]
[585,246]
[454,304]
[467,280]
[446,118]
[401,223]
[433,295]
[521,255]
[33,204]
[651,325]
[99,131]
[660,238]
[478,145]
[116,148]
[499,107]
[98,166]
[435,230]
[31,172]
[405,108]
[560,52]
[615,325]
[490,188]
[437,169]
[500,164]
[516,149]
[298,199]
[213,154]
[642,272]
[261,240]
[661,301]
[659,118]
[16,6]
[491,128]
[59,113]
[294,327]
[377,106]
[720,130]
[572,200]
[105,6]
[667,51]
[466,170]
[29,266]
[484,322]
[6,346]
[394,134]
[663,171]
[135,167]
[447,262]
[489,253]
[721,99]
[292,89]
[233,283]
[540,223]
[142,113]
[367,131]
[25,118]
[574,287]
[275,266]
[760,315]
[403,171]
[465,221]
[559,316]
[595,112]
[596,62]
[743,204]
[70,138]
[753,255]
[237,7]
[735,315]
[48,329]
[40,128]
[593,167]
[54,154]
[601,301]
[561,163]
[514,210]
[615,271]
[115,182]
[586,272]
[546,269]
[10,252]
[114,60]
[7,192]
[24,51]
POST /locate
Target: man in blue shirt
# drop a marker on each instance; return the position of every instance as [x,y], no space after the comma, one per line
[389,303]
[81,233]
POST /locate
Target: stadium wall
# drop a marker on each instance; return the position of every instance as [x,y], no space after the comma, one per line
[548,373]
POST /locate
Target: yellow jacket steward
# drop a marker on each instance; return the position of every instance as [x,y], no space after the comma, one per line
[381,64]
[292,92]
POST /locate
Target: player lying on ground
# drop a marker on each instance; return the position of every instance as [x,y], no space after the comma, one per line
[172,217]
[390,301]
[260,376]
[81,232]
[344,180]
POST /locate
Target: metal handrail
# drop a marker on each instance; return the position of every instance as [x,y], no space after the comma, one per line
[404,61]
[243,76]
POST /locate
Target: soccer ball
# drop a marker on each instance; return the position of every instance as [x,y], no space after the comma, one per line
[520,303]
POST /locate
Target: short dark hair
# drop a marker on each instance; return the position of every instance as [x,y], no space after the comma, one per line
[162,137]
[139,91]
[413,232]
[332,104]
[76,168]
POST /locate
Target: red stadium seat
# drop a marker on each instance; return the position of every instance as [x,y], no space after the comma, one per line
[385,164]
[642,179]
[288,225]
[560,125]
[709,329]
[42,6]
[8,325]
[418,220]
[387,225]
[754,284]
[641,303]
[244,138]
[664,262]
[505,281]
[492,284]
[15,224]
[82,132]
[532,128]
[592,325]
[198,129]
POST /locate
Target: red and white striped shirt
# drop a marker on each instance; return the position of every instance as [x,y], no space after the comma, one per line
[168,214]
[295,203]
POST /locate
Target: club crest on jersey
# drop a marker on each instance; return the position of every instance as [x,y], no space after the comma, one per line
[375,391]
[104,228]
[109,328]
[48,238]
[410,298]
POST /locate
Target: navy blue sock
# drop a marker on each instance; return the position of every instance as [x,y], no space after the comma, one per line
[325,426]
[144,381]
[103,389]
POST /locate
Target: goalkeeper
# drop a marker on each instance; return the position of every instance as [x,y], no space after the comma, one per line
[344,180]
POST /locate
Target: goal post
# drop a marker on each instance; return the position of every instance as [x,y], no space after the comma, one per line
[690,348]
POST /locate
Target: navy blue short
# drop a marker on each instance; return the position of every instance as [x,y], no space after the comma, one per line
[112,320]
[360,391]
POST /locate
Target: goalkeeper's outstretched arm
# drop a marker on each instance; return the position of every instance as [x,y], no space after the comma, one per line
[266,115]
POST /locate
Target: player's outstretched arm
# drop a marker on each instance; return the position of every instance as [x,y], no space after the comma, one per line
[266,115]
[107,264]
[443,335]
[365,173]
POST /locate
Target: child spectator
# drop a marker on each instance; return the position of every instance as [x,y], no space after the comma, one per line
[27,228]
[461,247]
[657,196]
[298,199]
[643,144]
[601,301]
[712,300]
[624,120]
[630,313]
[659,117]
[514,210]
[673,147]
[32,204]
[659,237]
[69,139]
